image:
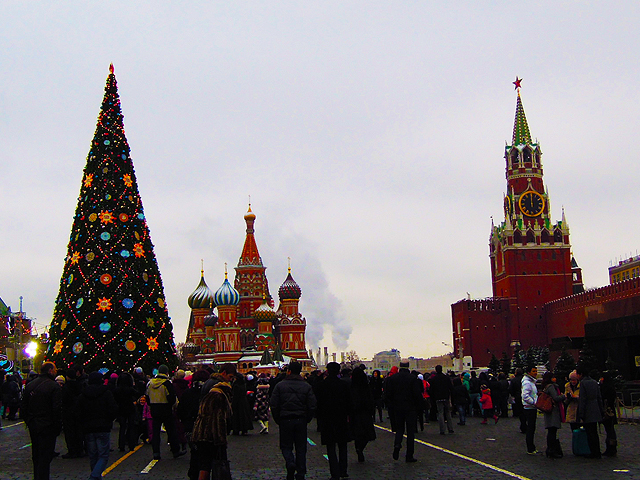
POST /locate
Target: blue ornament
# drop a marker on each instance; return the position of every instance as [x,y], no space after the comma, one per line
[103,370]
[79,302]
[105,236]
[125,253]
[107,197]
[107,142]
[105,327]
[141,216]
[127,303]
[124,157]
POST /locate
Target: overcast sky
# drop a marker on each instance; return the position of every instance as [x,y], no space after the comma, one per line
[370,136]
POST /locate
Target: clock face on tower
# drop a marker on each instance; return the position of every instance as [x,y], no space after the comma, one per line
[531,203]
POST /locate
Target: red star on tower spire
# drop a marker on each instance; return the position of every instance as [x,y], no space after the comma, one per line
[517,83]
[111,68]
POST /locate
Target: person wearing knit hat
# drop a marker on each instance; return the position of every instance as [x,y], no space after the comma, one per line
[60,379]
[161,396]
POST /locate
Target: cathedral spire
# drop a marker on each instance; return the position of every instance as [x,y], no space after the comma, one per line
[250,254]
[521,134]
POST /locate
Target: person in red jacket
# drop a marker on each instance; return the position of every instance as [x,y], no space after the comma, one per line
[487,406]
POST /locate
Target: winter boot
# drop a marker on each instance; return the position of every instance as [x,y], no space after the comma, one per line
[612,448]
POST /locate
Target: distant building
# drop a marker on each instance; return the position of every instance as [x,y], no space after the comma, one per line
[383,361]
[625,270]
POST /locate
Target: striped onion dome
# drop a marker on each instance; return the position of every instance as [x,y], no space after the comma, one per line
[226,295]
[202,296]
[289,289]
[264,313]
[210,320]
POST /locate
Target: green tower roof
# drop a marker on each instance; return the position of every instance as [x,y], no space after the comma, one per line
[521,134]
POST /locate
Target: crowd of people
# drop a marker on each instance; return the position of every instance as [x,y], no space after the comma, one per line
[199,410]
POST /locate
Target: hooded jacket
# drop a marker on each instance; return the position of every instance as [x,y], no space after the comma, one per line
[161,395]
[529,392]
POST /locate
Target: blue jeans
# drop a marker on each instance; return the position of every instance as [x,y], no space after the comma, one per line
[462,410]
[293,431]
[98,445]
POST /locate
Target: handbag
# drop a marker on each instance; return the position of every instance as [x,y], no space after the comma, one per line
[544,403]
[220,468]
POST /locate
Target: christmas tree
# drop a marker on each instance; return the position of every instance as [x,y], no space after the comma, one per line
[587,359]
[110,312]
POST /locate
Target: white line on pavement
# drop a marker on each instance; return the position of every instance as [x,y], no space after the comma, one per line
[149,467]
[464,457]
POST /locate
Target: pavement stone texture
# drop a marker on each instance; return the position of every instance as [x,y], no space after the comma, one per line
[469,453]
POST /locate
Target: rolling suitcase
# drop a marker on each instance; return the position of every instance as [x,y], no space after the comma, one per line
[579,442]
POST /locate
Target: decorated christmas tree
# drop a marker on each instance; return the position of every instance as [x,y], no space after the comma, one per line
[110,312]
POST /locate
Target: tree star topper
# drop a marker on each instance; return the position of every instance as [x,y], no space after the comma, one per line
[517,83]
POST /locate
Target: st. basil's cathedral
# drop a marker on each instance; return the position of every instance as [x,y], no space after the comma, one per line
[247,330]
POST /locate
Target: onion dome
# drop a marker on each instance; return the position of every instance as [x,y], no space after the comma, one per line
[202,296]
[250,215]
[226,294]
[264,313]
[210,320]
[190,348]
[289,289]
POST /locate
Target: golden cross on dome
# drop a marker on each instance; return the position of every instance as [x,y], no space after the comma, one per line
[225,270]
[202,267]
[289,261]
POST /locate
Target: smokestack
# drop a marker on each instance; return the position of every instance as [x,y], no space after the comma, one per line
[341,357]
[326,355]
[334,354]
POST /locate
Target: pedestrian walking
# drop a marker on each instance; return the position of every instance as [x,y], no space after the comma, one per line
[161,397]
[75,382]
[572,395]
[96,408]
[376,383]
[126,397]
[210,430]
[242,415]
[42,413]
[188,412]
[361,421]
[529,399]
[293,405]
[261,405]
[11,397]
[403,395]
[440,391]
[461,400]
[334,408]
[590,410]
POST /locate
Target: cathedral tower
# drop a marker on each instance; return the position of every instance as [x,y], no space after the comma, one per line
[227,329]
[251,283]
[291,324]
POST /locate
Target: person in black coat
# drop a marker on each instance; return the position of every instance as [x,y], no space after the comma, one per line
[361,421]
[187,413]
[403,394]
[590,409]
[126,397]
[460,399]
[96,408]
[609,397]
[440,391]
[515,389]
[334,407]
[10,397]
[242,415]
[41,410]
[376,383]
[75,381]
